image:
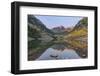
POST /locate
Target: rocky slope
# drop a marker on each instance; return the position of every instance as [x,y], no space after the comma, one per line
[37,31]
[77,38]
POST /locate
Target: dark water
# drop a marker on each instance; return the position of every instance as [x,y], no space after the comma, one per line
[58,51]
[53,50]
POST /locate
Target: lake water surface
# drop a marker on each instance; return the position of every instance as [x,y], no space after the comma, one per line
[58,51]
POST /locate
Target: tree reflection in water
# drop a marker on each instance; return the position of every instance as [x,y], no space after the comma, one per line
[55,51]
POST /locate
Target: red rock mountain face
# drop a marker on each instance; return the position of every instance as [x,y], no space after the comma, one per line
[61,29]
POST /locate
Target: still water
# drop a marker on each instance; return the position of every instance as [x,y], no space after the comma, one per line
[58,51]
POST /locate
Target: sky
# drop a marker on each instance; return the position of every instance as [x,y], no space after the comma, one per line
[55,21]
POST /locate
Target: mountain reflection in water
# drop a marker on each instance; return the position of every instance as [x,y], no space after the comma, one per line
[58,51]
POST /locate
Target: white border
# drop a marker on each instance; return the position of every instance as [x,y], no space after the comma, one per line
[26,65]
